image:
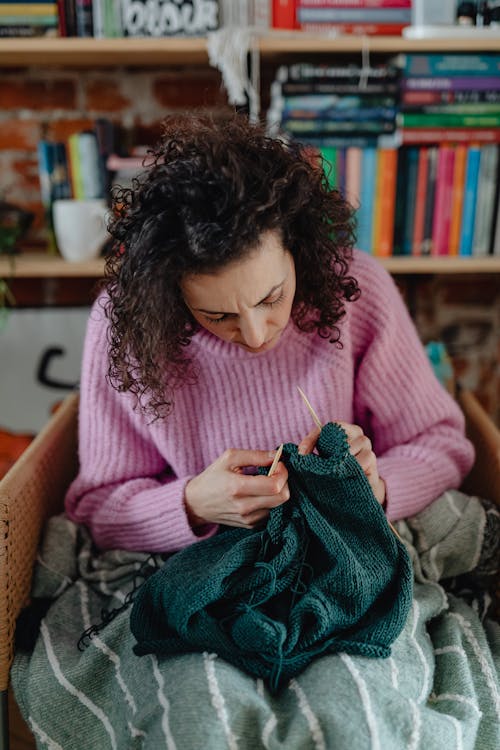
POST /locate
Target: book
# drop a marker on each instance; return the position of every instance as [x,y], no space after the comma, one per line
[457,198]
[83,18]
[329,156]
[353,15]
[410,199]
[451,83]
[355,3]
[163,18]
[424,98]
[469,203]
[448,120]
[318,126]
[339,87]
[353,161]
[437,64]
[485,205]
[420,190]
[366,198]
[388,164]
[359,29]
[90,165]
[449,135]
[283,14]
[351,72]
[75,167]
[426,243]
[443,200]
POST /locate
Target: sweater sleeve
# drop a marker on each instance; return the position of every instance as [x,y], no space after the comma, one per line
[416,427]
[124,491]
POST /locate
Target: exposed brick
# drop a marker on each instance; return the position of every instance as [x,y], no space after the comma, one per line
[19,135]
[60,130]
[37,94]
[26,171]
[189,90]
[105,96]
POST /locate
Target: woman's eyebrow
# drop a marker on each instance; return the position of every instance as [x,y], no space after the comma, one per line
[221,312]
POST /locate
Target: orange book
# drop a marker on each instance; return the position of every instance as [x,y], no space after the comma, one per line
[389,167]
[457,198]
[418,222]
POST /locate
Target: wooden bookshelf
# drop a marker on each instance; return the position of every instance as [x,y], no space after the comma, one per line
[41,266]
[76,52]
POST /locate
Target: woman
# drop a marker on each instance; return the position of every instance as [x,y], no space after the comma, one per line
[233,282]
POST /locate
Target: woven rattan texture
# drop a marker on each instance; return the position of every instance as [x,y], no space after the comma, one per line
[30,492]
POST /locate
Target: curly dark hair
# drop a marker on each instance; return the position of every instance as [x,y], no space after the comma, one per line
[209,191]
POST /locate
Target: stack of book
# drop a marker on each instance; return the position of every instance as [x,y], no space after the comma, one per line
[347,115]
[27,19]
[368,17]
[76,168]
[450,129]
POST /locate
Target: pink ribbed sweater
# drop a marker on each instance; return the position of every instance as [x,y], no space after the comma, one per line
[129,490]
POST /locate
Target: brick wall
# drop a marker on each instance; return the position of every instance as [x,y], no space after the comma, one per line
[56,103]
[463,311]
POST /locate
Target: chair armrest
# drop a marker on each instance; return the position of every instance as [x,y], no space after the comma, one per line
[484,477]
[32,491]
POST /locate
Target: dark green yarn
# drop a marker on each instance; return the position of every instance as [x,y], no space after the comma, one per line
[326,574]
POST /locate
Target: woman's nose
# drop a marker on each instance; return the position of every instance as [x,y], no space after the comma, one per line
[253,332]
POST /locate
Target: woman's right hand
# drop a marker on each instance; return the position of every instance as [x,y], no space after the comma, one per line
[224,494]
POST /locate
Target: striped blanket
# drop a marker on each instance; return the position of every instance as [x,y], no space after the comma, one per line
[438,689]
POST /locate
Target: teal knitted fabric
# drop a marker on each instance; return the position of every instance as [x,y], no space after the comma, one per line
[326,574]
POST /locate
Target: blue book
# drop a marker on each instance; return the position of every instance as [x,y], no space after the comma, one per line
[411,196]
[435,64]
[470,198]
[366,198]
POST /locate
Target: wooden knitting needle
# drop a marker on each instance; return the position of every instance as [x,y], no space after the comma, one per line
[276,458]
[311,410]
[319,425]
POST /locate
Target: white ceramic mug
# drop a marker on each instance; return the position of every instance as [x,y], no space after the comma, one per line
[80,227]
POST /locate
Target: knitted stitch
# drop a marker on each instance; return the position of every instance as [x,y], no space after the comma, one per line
[325,574]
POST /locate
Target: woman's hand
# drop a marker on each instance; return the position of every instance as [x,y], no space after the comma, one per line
[360,447]
[224,494]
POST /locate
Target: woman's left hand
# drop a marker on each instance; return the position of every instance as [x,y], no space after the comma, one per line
[360,447]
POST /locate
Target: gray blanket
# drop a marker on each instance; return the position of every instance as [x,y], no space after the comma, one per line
[438,689]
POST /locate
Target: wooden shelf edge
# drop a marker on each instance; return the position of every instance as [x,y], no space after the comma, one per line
[38,265]
[145,51]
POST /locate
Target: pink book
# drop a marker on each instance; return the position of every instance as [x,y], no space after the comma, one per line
[443,201]
[353,175]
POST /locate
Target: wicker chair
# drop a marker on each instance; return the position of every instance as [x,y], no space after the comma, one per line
[35,486]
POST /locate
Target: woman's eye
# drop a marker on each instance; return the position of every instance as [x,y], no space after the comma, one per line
[276,301]
[216,320]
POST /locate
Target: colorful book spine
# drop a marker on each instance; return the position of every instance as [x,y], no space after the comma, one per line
[448,120]
[355,3]
[366,198]
[449,135]
[284,14]
[425,98]
[430,192]
[354,156]
[387,186]
[353,15]
[411,195]
[485,203]
[449,83]
[457,198]
[329,155]
[436,64]
[75,167]
[421,186]
[469,204]
[357,29]
[443,201]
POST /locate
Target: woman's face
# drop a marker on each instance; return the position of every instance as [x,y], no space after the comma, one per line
[247,302]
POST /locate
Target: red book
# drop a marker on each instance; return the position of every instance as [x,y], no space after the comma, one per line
[360,29]
[284,14]
[443,201]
